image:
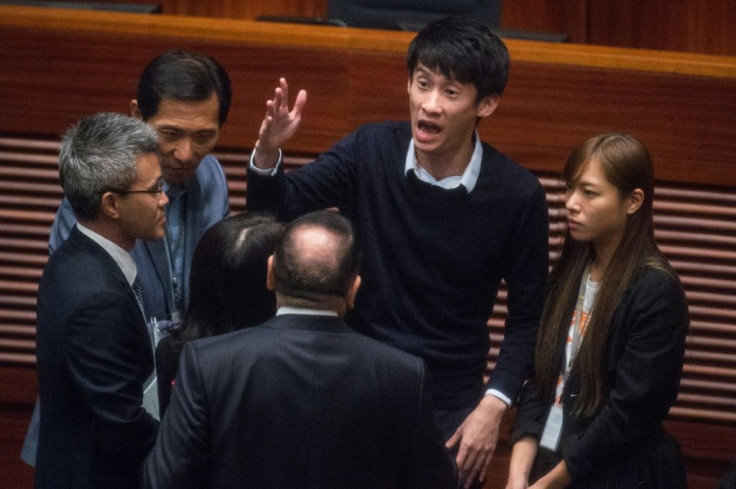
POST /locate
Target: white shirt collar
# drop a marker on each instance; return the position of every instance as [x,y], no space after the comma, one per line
[304,311]
[468,179]
[121,257]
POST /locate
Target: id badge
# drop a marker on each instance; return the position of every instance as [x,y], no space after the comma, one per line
[552,429]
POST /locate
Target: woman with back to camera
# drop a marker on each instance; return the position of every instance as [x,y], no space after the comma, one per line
[227,288]
[611,341]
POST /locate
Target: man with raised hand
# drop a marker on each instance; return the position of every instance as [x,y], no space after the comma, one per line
[442,218]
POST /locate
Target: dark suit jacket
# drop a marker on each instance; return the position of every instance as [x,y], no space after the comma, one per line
[167,361]
[206,203]
[299,402]
[623,445]
[94,354]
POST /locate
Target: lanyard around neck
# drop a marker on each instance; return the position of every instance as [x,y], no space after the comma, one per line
[579,326]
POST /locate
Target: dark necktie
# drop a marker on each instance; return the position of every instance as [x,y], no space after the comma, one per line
[139,294]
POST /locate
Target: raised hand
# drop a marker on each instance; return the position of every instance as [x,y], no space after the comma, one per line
[279,125]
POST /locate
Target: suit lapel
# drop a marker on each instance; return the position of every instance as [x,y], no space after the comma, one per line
[89,247]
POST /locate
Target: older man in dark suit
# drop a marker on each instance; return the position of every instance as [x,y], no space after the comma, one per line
[94,351]
[301,401]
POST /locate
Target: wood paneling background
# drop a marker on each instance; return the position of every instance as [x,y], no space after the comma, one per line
[59,66]
[695,26]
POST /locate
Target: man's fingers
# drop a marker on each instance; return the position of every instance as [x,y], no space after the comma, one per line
[301,100]
[466,459]
[484,469]
[476,470]
[452,441]
[284,88]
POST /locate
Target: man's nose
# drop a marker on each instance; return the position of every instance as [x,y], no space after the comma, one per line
[184,150]
[431,102]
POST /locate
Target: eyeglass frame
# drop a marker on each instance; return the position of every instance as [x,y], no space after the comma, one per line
[159,188]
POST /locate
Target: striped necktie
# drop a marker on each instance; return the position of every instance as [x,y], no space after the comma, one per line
[138,294]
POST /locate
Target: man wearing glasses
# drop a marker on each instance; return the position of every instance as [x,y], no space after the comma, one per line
[94,352]
[185,97]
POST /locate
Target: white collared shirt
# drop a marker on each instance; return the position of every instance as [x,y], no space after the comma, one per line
[305,311]
[468,179]
[121,257]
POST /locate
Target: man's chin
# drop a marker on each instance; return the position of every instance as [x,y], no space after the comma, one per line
[176,176]
[157,236]
[172,180]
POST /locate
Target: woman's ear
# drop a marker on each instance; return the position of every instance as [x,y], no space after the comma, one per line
[635,200]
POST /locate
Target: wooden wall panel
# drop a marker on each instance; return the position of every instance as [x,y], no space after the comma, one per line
[696,26]
[244,9]
[234,9]
[569,17]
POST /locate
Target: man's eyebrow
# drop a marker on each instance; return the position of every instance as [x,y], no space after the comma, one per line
[168,127]
[180,130]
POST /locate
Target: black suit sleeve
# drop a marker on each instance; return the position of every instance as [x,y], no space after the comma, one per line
[167,360]
[103,353]
[180,458]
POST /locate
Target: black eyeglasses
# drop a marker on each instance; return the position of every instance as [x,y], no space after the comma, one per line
[154,190]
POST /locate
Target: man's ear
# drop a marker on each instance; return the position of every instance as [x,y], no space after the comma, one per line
[353,292]
[135,111]
[487,105]
[636,199]
[109,205]
[269,274]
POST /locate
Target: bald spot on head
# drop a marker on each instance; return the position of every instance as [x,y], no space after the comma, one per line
[315,249]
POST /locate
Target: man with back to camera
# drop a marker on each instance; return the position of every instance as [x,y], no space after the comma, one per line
[94,352]
[302,400]
[441,217]
[186,98]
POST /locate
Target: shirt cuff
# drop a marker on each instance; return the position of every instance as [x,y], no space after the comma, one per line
[268,172]
[500,395]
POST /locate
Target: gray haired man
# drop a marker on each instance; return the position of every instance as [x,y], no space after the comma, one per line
[93,349]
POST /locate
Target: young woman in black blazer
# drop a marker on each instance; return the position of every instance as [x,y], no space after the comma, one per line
[611,340]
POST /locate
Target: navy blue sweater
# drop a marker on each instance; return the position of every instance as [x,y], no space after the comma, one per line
[433,258]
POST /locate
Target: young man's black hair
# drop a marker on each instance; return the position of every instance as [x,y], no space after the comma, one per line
[464,49]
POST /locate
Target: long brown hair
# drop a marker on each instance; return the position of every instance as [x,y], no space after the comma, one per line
[626,164]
